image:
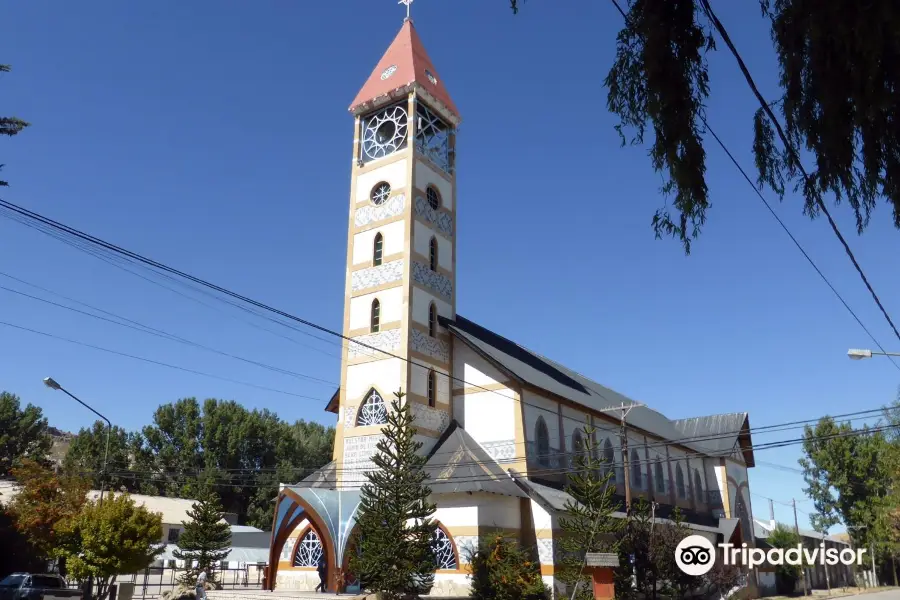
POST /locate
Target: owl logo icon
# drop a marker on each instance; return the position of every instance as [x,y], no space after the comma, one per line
[695,555]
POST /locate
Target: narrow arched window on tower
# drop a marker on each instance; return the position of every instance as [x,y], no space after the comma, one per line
[378,249]
[433,254]
[376,315]
[432,320]
[431,388]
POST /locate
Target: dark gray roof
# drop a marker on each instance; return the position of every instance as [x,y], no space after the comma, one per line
[458,463]
[729,428]
[538,371]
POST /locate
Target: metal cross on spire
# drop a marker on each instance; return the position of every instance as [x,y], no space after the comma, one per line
[407,3]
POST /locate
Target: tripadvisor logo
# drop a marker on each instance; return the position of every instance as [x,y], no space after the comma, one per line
[695,555]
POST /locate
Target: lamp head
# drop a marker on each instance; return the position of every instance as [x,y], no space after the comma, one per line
[855,354]
[50,383]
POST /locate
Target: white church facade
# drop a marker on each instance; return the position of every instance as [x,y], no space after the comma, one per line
[500,423]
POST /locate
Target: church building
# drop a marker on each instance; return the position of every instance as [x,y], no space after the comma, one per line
[499,423]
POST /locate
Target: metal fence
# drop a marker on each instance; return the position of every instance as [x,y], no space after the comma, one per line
[153,581]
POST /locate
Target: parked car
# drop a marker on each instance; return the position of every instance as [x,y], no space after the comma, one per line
[32,586]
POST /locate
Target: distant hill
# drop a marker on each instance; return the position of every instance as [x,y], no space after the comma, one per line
[61,442]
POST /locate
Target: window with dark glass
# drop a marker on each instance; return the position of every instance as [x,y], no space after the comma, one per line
[636,479]
[659,477]
[434,197]
[432,320]
[542,439]
[609,459]
[376,315]
[679,482]
[431,388]
[433,254]
[698,486]
[378,249]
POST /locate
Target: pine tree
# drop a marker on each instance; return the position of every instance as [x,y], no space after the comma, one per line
[588,524]
[396,531]
[206,538]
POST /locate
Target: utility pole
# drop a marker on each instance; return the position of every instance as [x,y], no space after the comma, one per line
[625,461]
[874,574]
[827,579]
[797,531]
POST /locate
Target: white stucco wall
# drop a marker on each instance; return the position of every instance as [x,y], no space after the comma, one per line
[498,511]
[385,375]
[422,235]
[391,308]
[489,416]
[422,300]
[469,369]
[394,241]
[426,176]
[394,173]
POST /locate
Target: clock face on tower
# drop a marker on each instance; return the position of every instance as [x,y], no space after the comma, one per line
[384,132]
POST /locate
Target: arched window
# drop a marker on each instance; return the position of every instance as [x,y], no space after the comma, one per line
[577,442]
[609,457]
[434,197]
[658,477]
[679,481]
[376,315]
[378,250]
[636,479]
[433,254]
[698,487]
[308,550]
[432,390]
[542,441]
[444,552]
[372,411]
[432,319]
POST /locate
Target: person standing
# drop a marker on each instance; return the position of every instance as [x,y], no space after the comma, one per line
[200,588]
[322,569]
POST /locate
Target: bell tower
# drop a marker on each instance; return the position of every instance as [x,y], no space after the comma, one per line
[401,254]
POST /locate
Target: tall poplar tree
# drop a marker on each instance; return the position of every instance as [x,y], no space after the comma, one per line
[396,531]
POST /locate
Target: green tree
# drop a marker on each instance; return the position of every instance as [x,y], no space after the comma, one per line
[243,454]
[18,554]
[502,570]
[23,432]
[44,503]
[9,126]
[847,474]
[588,524]
[838,102]
[665,539]
[395,526]
[206,539]
[86,452]
[111,538]
[786,575]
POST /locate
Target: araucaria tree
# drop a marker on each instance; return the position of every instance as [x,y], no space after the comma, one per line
[588,524]
[111,538]
[396,530]
[839,102]
[206,539]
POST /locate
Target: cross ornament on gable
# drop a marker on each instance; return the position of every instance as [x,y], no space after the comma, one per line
[407,3]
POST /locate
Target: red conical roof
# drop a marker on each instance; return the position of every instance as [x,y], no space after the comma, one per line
[405,64]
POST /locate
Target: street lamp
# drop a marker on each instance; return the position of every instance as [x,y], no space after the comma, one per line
[51,383]
[857,354]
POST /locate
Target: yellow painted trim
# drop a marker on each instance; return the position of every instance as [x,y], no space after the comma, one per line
[381,162]
[385,259]
[488,387]
[356,333]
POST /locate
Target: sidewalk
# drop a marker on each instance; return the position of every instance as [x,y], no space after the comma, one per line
[835,593]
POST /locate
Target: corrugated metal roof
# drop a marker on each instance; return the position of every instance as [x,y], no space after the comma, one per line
[762,529]
[326,477]
[546,374]
[237,554]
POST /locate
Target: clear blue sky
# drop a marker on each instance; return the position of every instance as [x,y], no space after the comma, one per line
[213,136]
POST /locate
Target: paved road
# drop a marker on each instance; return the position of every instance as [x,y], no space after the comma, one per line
[886,595]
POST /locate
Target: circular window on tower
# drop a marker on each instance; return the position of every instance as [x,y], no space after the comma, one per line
[434,197]
[430,77]
[380,193]
[388,72]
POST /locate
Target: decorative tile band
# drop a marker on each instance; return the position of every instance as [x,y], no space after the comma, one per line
[430,418]
[375,276]
[432,280]
[370,213]
[383,340]
[441,220]
[349,416]
[545,551]
[501,450]
[433,347]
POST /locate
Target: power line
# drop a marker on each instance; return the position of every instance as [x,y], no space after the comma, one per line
[794,239]
[155,362]
[137,326]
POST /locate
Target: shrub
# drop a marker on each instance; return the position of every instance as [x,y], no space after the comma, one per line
[502,570]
